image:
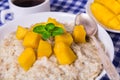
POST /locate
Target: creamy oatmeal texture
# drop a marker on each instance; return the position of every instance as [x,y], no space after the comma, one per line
[86,67]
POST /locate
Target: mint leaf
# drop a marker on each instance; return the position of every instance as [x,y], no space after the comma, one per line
[49,26]
[39,29]
[48,30]
[46,35]
[57,31]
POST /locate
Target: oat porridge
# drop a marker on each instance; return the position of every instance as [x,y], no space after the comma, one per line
[87,65]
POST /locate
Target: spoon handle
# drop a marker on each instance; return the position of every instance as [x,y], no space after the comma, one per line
[107,64]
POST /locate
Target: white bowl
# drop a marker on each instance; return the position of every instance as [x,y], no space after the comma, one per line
[61,17]
[88,10]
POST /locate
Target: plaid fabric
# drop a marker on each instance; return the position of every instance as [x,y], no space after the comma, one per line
[4,5]
[70,6]
[75,6]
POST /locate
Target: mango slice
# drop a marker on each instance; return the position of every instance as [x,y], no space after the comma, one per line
[66,38]
[114,24]
[118,1]
[112,5]
[44,49]
[79,34]
[31,39]
[107,13]
[27,58]
[101,13]
[21,32]
[118,16]
[64,53]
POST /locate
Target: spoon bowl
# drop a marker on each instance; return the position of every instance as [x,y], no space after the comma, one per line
[91,30]
[88,23]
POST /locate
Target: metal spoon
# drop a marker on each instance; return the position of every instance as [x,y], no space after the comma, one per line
[91,30]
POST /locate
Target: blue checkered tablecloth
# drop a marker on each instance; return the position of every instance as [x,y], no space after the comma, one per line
[74,6]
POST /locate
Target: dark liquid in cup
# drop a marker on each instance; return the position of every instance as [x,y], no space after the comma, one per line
[27,3]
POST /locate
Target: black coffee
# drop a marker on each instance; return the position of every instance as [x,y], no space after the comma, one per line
[27,3]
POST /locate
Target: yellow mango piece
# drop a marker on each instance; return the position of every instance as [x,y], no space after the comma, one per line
[118,16]
[114,24]
[66,38]
[27,58]
[79,34]
[117,27]
[44,49]
[64,53]
[112,5]
[105,1]
[51,20]
[31,39]
[56,23]
[101,13]
[61,26]
[118,1]
[21,32]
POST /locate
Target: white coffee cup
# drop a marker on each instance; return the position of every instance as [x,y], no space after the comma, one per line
[19,11]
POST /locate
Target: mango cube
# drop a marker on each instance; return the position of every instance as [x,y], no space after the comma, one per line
[27,58]
[64,53]
[66,38]
[79,34]
[21,32]
[61,26]
[56,23]
[31,40]
[44,49]
[51,20]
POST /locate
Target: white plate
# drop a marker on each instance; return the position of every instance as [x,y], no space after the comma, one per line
[92,16]
[61,17]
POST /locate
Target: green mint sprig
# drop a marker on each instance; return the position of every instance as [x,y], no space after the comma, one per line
[48,30]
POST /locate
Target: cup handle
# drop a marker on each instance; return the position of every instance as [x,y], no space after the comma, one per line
[4,13]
